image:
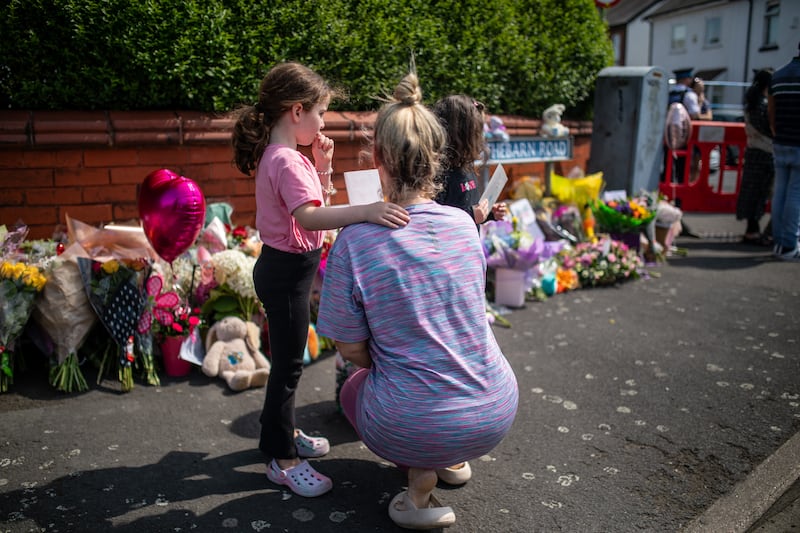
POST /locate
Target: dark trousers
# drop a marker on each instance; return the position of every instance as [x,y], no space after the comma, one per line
[283,284]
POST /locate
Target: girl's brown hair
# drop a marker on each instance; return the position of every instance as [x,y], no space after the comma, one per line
[463,119]
[284,85]
[408,142]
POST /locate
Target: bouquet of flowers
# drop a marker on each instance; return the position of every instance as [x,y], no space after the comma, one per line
[65,315]
[113,290]
[622,216]
[19,285]
[218,236]
[505,245]
[227,280]
[604,262]
[179,321]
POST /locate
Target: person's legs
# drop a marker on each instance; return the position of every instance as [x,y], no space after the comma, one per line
[791,206]
[753,230]
[421,483]
[779,196]
[283,283]
[348,396]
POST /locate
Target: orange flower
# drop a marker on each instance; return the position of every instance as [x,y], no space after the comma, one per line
[566,280]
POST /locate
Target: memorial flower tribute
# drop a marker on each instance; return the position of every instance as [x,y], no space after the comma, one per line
[620,216]
[604,262]
[19,285]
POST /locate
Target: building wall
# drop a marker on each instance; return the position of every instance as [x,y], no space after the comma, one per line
[730,53]
[90,165]
[637,52]
[787,38]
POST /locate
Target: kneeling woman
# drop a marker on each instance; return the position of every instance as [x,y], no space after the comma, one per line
[407,305]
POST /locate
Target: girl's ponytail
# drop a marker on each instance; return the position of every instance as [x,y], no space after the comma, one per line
[250,137]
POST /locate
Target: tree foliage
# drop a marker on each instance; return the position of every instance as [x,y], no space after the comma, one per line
[517,56]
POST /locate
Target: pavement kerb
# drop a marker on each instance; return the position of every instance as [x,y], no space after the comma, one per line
[750,500]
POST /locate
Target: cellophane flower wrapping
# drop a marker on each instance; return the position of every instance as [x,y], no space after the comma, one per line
[506,246]
[114,290]
[19,285]
[64,313]
[623,216]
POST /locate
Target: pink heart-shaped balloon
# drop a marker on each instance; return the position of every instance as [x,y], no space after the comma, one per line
[173,210]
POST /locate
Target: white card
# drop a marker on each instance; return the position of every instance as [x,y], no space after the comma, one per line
[192,348]
[615,195]
[363,186]
[527,217]
[495,186]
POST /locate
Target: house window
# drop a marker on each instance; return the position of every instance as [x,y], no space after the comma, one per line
[713,31]
[678,38]
[616,44]
[771,24]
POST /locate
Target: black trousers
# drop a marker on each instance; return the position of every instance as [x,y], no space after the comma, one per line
[283,283]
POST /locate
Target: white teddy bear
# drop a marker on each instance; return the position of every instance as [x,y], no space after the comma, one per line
[233,353]
[551,123]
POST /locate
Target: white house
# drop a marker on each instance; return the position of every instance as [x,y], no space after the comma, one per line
[630,31]
[724,40]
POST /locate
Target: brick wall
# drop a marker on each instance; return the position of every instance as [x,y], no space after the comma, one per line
[90,164]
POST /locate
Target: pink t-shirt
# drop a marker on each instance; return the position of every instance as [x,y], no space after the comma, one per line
[285,180]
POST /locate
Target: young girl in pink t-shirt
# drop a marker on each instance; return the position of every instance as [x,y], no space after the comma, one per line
[291,217]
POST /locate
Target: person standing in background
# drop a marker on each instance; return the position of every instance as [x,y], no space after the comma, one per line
[783,103]
[463,120]
[699,88]
[759,168]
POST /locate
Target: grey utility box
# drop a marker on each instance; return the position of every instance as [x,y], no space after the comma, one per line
[630,108]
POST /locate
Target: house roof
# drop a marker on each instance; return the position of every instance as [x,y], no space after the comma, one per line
[626,11]
[672,6]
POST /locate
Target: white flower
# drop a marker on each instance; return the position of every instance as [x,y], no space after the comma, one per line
[235,269]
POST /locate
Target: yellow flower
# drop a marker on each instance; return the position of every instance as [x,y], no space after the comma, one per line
[33,278]
[17,271]
[39,282]
[110,266]
[5,269]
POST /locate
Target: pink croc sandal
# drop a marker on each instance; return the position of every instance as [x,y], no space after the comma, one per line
[302,479]
[311,446]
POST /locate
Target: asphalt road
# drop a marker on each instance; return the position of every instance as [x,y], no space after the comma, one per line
[670,403]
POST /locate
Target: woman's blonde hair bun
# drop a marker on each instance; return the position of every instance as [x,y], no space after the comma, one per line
[408,91]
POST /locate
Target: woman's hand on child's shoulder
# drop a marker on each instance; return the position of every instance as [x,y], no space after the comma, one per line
[387,214]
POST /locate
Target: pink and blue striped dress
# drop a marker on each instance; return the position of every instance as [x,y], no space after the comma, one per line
[440,391]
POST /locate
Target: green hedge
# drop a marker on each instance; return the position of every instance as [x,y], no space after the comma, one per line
[518,56]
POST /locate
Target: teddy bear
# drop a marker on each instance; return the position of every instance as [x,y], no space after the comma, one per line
[496,130]
[551,123]
[233,353]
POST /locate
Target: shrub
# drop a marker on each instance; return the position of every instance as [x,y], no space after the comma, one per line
[518,56]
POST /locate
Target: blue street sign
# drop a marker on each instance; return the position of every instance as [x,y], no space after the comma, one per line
[531,150]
